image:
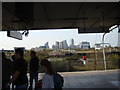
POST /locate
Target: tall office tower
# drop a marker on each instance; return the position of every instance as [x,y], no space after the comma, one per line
[46,45]
[72,46]
[60,45]
[65,45]
[72,42]
[57,45]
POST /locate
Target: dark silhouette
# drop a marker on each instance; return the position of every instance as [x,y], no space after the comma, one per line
[13,68]
[34,67]
[20,75]
[6,71]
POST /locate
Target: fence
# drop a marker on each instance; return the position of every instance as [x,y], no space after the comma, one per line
[75,65]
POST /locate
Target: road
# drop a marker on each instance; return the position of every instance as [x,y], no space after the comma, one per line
[90,79]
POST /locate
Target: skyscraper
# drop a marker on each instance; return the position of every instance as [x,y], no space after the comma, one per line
[60,45]
[46,45]
[65,45]
[57,45]
[72,42]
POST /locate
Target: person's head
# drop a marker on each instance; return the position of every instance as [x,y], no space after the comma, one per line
[19,53]
[32,53]
[47,66]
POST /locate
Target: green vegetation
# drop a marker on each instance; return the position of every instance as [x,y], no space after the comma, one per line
[27,55]
[73,57]
[72,63]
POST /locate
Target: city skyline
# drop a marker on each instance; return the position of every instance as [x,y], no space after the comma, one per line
[64,45]
[38,38]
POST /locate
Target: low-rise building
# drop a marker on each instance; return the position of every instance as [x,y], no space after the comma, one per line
[84,45]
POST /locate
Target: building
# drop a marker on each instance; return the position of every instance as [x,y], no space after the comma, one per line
[97,46]
[100,45]
[72,46]
[54,47]
[60,45]
[42,47]
[84,45]
[72,42]
[57,45]
[63,44]
[46,45]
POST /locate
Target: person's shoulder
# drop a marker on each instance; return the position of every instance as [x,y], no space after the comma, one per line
[45,75]
[9,60]
[21,62]
[48,76]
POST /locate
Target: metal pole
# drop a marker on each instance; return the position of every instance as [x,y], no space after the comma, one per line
[95,59]
[103,45]
[104,51]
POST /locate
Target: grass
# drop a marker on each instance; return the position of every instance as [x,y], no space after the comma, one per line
[70,63]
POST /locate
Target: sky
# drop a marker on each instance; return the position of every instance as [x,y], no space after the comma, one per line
[38,38]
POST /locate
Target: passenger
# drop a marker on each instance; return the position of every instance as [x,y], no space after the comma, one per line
[34,68]
[47,80]
[20,76]
[13,68]
[6,71]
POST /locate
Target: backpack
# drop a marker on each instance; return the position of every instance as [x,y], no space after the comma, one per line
[39,84]
[58,80]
